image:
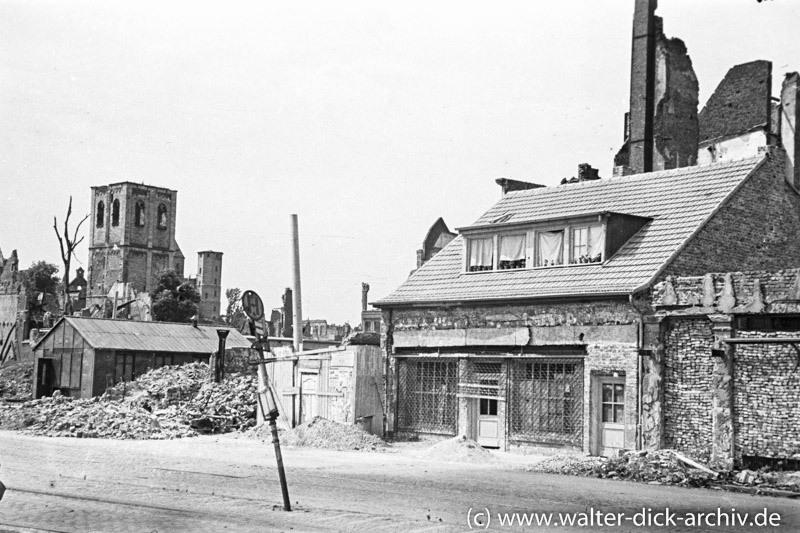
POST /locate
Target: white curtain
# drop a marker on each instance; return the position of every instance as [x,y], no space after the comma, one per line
[551,248]
[512,247]
[597,242]
[480,252]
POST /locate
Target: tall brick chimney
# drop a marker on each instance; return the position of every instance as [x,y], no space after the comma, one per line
[642,99]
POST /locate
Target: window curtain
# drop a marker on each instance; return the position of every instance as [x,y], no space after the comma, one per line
[597,243]
[480,254]
[512,252]
[551,248]
[512,247]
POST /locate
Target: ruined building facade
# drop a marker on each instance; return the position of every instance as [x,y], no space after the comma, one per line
[132,237]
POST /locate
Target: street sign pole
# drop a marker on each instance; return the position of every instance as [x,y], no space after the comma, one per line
[254,308]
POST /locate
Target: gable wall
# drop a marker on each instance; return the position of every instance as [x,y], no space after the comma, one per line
[757,229]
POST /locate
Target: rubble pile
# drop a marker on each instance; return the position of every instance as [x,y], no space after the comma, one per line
[162,387]
[165,403]
[16,381]
[655,467]
[323,433]
[458,449]
[223,407]
[668,467]
[60,416]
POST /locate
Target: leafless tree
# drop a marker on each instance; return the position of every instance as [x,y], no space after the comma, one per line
[68,245]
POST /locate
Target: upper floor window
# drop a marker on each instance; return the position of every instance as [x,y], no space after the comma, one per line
[587,244]
[101,214]
[162,216]
[481,254]
[139,214]
[550,248]
[115,213]
[512,252]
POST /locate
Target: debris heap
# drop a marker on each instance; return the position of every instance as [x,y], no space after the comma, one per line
[165,403]
[669,467]
[323,433]
[458,449]
[16,381]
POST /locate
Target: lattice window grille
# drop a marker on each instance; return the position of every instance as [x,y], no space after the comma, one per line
[546,401]
[426,395]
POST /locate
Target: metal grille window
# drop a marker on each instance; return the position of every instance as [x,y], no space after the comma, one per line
[482,379]
[546,401]
[426,395]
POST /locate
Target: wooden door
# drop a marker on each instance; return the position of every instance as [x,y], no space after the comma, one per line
[611,416]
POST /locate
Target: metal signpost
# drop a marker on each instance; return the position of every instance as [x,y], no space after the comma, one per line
[254,308]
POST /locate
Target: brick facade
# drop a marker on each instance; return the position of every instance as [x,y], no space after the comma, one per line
[755,230]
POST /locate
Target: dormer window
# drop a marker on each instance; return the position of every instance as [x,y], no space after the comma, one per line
[512,252]
[587,244]
[549,248]
[481,254]
[557,242]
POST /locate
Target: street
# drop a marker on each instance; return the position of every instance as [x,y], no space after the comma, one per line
[230,483]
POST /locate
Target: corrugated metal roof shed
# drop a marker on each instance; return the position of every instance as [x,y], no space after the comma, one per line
[131,335]
[679,202]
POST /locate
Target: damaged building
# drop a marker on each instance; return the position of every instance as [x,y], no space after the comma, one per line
[544,322]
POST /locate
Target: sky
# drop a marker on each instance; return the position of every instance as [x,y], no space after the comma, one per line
[369,120]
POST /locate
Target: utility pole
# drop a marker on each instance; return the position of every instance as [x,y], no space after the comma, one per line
[297,309]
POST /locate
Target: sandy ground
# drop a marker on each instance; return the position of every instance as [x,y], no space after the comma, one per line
[227,483]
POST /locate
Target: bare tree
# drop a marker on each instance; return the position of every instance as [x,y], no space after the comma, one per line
[68,245]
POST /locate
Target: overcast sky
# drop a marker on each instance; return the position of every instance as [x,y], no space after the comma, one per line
[367,119]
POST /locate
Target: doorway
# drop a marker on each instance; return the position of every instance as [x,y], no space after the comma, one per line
[609,396]
[308,396]
[488,423]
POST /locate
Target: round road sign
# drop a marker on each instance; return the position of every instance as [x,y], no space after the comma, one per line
[252,305]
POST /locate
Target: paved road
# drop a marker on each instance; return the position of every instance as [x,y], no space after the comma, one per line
[228,484]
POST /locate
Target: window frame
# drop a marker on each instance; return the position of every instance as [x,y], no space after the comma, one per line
[531,244]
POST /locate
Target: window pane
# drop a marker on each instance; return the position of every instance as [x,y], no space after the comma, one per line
[619,393]
[512,251]
[550,245]
[597,243]
[481,254]
[619,413]
[608,393]
[607,413]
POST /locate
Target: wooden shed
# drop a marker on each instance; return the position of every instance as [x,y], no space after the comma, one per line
[84,356]
[343,384]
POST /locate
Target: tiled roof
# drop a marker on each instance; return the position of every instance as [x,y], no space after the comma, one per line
[152,336]
[679,202]
[740,102]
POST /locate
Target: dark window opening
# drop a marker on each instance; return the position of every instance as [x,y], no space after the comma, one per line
[162,216]
[115,213]
[139,214]
[768,323]
[101,214]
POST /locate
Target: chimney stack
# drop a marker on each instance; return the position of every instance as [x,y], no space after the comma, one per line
[642,98]
[508,185]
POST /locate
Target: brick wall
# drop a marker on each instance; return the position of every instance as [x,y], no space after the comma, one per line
[758,229]
[766,398]
[688,368]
